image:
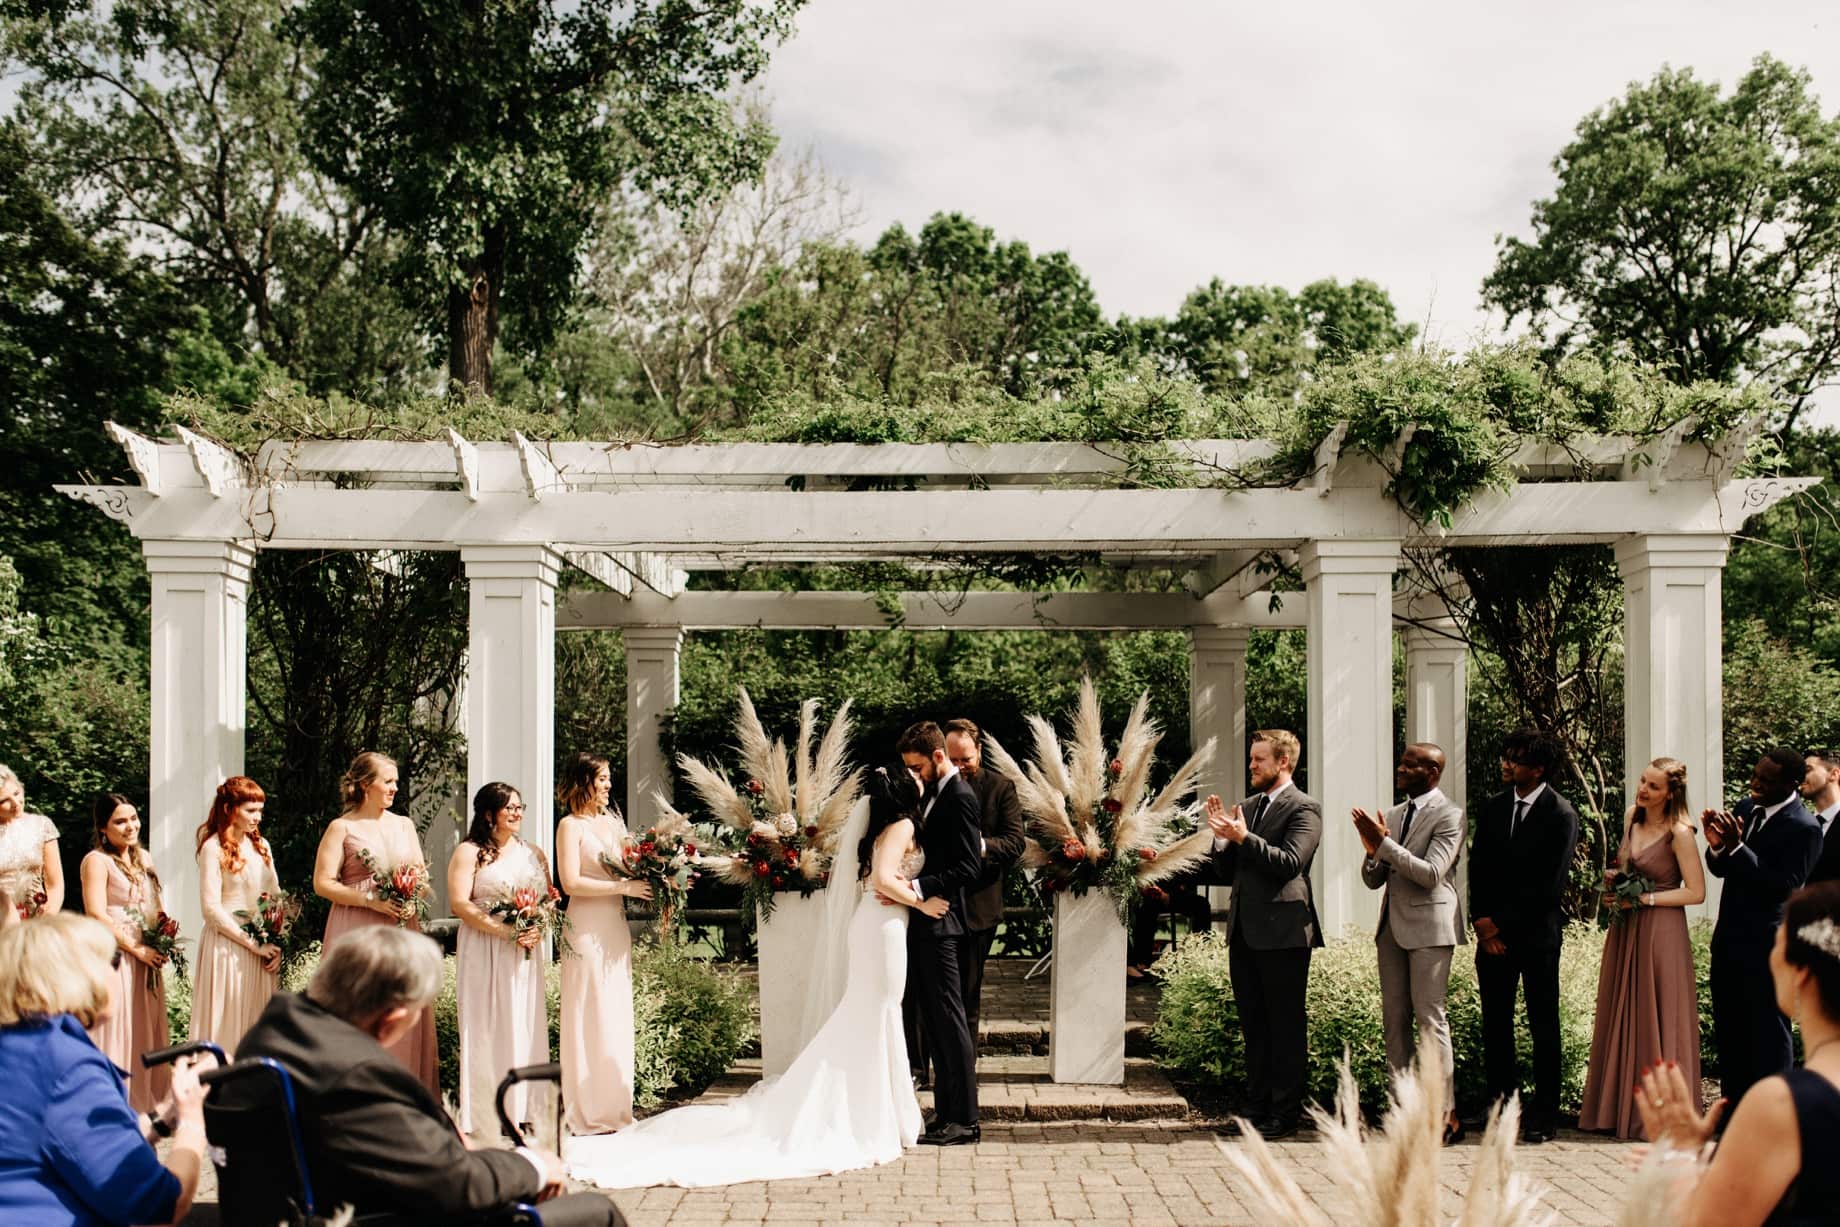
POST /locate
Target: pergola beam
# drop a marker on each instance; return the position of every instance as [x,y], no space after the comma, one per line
[835,524]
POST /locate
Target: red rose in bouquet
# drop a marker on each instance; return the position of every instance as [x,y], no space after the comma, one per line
[666,861]
[160,935]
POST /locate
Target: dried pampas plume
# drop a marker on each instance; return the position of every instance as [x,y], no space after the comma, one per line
[1391,1177]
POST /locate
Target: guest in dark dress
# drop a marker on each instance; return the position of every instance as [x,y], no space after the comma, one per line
[1647,998]
[1775,1166]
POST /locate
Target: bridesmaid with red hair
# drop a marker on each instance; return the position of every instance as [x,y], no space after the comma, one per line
[236,975]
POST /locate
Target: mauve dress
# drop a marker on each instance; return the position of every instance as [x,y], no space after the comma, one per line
[1647,1001]
[597,1007]
[500,995]
[230,989]
[418,1049]
[138,1022]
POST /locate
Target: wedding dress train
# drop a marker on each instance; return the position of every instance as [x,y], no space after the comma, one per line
[846,1102]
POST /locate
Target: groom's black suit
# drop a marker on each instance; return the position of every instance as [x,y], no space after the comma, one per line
[936,949]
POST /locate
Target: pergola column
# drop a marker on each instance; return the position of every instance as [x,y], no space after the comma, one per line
[651,692]
[1217,709]
[511,677]
[195,739]
[1673,694]
[1348,747]
[1437,698]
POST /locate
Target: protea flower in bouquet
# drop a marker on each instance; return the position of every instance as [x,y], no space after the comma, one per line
[664,855]
[1092,820]
[779,828]
[534,905]
[161,935]
[405,887]
[31,901]
[270,921]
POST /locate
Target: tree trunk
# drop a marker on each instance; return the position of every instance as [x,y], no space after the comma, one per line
[472,318]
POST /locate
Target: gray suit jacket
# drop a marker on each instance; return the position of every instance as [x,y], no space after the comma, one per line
[1272,906]
[1420,876]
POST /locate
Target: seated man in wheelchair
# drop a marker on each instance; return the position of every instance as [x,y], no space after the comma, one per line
[374,1138]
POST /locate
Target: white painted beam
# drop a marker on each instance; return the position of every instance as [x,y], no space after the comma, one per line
[218,467]
[819,525]
[143,455]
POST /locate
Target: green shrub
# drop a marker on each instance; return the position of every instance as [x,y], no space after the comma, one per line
[1197,1033]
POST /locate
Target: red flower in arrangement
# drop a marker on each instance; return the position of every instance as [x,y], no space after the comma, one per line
[778,881]
[168,926]
[647,848]
[1112,805]
[524,900]
[755,839]
[1117,766]
[407,879]
[690,849]
[632,856]
[762,869]
[755,787]
[1156,894]
[792,857]
[554,894]
[1148,854]
[1073,850]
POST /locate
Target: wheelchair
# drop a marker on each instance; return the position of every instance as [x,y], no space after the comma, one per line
[261,1161]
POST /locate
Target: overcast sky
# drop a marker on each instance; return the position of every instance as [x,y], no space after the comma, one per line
[1164,142]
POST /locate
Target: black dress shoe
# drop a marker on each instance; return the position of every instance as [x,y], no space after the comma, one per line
[951,1134]
[1533,1135]
[929,1120]
[1454,1132]
[1274,1128]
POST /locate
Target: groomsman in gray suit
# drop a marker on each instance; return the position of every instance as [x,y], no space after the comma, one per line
[1412,854]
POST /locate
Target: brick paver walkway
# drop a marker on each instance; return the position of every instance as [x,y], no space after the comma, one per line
[1137,1174]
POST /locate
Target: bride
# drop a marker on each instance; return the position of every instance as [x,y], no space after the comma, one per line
[847,1101]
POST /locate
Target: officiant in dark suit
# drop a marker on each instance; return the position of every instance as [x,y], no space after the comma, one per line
[1263,847]
[1764,850]
[1519,863]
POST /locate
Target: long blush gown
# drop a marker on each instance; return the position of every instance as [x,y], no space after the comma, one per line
[1647,1002]
[846,1102]
[418,1049]
[503,1023]
[597,1010]
[230,990]
[138,1022]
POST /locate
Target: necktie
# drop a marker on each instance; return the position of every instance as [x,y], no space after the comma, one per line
[1258,810]
[1520,814]
[1405,824]
[1755,823]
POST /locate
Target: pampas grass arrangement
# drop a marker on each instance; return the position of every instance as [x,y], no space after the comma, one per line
[780,826]
[1092,821]
[1392,1176]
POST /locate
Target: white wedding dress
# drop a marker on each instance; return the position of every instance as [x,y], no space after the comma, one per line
[846,1102]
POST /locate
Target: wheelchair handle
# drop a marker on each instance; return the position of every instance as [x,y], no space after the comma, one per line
[549,1072]
[166,1056]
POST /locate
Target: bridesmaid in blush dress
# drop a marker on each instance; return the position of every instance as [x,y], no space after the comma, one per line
[118,877]
[597,1009]
[1647,1001]
[339,876]
[498,973]
[235,976]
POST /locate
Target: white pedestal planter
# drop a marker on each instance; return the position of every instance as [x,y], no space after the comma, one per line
[786,940]
[1086,997]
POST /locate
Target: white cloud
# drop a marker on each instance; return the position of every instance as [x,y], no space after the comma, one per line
[1169,141]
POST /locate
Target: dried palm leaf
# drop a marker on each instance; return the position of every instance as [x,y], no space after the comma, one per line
[778,780]
[836,812]
[752,740]
[803,800]
[830,768]
[670,821]
[1185,852]
[1086,758]
[1265,1188]
[1033,793]
[1048,755]
[717,793]
[1183,781]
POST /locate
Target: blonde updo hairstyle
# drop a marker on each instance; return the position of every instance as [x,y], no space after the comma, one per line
[363,772]
[1674,809]
[57,964]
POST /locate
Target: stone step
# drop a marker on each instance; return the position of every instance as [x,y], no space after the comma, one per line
[1017,1088]
[1003,1037]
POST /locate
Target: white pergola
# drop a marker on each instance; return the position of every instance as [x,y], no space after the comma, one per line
[639,518]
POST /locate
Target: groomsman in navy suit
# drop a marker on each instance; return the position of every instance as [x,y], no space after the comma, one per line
[1764,849]
[1821,797]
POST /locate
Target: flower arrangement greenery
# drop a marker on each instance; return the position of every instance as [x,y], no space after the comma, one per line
[778,831]
[1092,821]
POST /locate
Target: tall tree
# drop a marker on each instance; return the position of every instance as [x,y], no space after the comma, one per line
[489,134]
[1694,231]
[1258,339]
[174,125]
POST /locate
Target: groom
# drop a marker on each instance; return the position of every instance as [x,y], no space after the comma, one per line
[937,946]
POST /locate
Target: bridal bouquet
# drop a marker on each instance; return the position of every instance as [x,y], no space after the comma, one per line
[781,825]
[271,919]
[533,907]
[160,935]
[663,856]
[31,903]
[1092,821]
[1624,898]
[405,888]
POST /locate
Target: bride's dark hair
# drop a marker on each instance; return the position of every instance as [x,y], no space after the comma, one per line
[893,795]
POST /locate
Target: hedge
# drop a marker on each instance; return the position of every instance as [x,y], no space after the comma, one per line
[1197,1034]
